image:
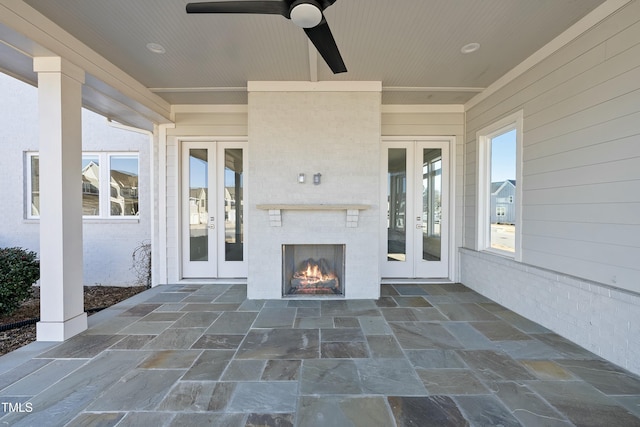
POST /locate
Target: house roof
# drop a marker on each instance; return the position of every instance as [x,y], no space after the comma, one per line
[412,46]
[496,187]
[197,193]
[124,179]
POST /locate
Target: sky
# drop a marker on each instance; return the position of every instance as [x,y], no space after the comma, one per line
[199,174]
[503,157]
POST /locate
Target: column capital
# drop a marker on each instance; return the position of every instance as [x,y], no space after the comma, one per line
[56,64]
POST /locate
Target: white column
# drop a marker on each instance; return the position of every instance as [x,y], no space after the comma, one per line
[60,126]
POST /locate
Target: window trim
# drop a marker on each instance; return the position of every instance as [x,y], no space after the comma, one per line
[483,189]
[104,158]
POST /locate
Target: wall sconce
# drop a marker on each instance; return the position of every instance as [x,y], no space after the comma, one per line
[316,178]
[301,178]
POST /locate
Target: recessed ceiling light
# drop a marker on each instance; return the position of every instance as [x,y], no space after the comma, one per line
[469,48]
[156,48]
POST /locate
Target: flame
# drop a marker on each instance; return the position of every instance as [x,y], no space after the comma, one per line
[311,274]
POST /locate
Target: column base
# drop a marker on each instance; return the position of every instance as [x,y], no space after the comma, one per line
[61,331]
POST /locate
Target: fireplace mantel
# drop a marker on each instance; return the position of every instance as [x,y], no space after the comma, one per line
[275,211]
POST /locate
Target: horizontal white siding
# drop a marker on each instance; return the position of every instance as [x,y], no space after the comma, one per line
[605,40]
[581,171]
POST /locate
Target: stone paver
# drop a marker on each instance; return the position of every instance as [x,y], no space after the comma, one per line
[193,355]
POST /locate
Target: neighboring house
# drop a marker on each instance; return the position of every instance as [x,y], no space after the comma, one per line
[503,207]
[124,193]
[336,167]
[109,239]
[198,207]
[90,189]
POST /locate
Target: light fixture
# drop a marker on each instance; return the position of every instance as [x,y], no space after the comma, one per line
[156,48]
[301,178]
[305,14]
[470,48]
[316,178]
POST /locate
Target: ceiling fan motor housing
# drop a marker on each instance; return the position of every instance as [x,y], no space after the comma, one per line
[305,13]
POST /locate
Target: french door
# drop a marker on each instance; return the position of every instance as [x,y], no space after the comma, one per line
[213,183]
[416,197]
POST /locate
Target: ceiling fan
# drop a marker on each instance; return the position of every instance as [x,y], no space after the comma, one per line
[304,13]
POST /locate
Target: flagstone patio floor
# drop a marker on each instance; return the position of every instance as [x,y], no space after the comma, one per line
[421,355]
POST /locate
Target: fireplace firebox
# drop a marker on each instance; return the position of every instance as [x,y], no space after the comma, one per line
[313,269]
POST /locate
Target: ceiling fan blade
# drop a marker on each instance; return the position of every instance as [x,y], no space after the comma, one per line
[325,3]
[322,39]
[269,7]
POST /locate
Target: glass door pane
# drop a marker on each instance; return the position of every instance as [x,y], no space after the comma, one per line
[231,192]
[198,204]
[397,205]
[431,203]
[233,204]
[432,229]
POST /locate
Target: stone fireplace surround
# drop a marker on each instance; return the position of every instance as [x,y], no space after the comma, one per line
[331,129]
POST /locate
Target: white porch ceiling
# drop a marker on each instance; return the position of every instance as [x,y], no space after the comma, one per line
[412,46]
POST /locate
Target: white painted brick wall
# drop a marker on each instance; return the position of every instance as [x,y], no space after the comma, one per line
[108,245]
[603,320]
[338,135]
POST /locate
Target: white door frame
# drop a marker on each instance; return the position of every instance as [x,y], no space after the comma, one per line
[412,144]
[216,267]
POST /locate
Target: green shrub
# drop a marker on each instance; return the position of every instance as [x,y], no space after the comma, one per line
[19,269]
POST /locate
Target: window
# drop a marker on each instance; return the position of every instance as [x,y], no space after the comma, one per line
[123,174]
[500,186]
[34,186]
[107,192]
[90,185]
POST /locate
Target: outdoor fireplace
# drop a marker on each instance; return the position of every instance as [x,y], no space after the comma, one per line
[313,270]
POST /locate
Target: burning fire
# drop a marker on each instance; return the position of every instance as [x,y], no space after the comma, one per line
[312,274]
[315,277]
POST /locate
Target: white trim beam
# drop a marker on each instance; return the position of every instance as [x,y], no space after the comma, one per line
[432,89]
[323,86]
[422,108]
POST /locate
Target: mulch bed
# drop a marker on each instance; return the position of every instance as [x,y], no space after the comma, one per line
[94,297]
